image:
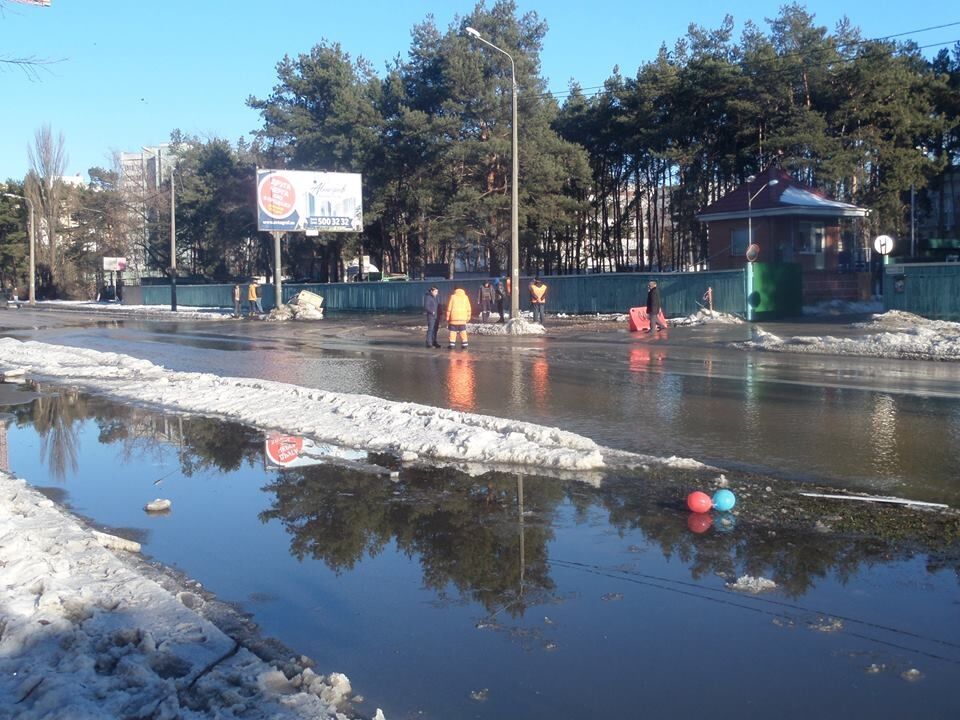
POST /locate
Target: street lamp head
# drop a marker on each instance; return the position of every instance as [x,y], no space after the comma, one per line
[751,178]
[473,32]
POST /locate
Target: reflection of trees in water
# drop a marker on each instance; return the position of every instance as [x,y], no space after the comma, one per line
[466,532]
[57,419]
[202,443]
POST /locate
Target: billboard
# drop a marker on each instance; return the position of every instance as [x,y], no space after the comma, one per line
[114,264]
[311,202]
[291,451]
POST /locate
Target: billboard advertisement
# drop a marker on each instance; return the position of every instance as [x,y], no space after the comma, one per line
[311,202]
[114,264]
[292,451]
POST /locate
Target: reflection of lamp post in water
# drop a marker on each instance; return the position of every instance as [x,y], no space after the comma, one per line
[32,292]
[520,515]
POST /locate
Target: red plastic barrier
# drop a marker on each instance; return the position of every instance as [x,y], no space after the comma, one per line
[639,320]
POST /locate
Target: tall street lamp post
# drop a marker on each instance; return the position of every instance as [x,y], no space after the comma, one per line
[32,293]
[750,199]
[913,208]
[514,187]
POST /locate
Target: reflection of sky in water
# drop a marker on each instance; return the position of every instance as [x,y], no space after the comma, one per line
[533,583]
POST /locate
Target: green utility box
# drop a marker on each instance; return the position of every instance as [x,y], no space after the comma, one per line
[774,291]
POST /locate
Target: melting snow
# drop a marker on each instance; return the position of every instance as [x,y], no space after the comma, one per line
[918,339]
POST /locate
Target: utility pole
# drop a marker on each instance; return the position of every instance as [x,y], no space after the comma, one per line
[277,282]
[173,244]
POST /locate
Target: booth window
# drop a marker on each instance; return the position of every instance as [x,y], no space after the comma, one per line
[810,236]
[738,242]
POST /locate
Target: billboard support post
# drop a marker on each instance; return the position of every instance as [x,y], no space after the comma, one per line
[277,282]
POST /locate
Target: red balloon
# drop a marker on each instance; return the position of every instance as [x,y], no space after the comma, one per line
[699,502]
[699,522]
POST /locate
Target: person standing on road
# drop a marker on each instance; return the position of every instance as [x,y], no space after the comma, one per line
[236,300]
[538,298]
[431,306]
[485,300]
[653,307]
[499,297]
[253,298]
[459,313]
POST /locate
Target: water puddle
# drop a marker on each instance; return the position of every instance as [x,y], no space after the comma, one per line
[442,594]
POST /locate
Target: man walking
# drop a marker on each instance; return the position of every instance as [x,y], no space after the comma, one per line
[431,305]
[653,307]
[499,297]
[538,298]
[253,298]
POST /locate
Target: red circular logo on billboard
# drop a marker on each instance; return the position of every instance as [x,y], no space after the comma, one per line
[277,196]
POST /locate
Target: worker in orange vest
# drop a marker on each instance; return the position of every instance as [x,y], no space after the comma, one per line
[538,298]
[459,313]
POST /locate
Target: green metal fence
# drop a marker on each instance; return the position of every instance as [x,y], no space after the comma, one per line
[680,293]
[931,290]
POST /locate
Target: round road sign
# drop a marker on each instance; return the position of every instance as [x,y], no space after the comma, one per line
[883,244]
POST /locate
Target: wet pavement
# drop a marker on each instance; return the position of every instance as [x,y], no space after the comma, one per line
[889,426]
[446,595]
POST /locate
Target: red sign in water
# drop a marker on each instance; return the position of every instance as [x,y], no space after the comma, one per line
[284,449]
[278,198]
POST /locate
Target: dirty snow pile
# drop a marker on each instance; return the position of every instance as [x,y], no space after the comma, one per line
[409,430]
[520,326]
[83,634]
[843,307]
[706,317]
[921,339]
[596,317]
[305,305]
[148,311]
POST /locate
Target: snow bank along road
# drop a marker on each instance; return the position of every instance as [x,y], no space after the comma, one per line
[409,430]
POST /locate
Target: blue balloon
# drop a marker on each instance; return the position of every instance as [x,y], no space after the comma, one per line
[724,500]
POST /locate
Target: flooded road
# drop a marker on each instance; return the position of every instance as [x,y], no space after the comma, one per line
[444,595]
[888,426]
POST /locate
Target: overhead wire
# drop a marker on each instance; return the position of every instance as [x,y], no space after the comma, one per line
[703,592]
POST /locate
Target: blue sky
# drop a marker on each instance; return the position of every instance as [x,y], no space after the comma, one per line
[131,71]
